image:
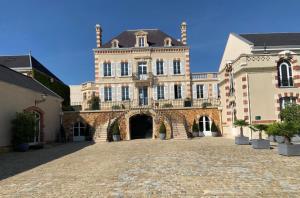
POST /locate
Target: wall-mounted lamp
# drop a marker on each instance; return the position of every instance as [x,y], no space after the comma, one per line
[43,99]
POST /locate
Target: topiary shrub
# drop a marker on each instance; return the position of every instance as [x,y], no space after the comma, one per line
[116,107]
[195,127]
[206,104]
[115,128]
[94,103]
[167,105]
[162,128]
[214,127]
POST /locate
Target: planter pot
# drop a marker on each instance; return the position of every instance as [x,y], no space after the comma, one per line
[279,139]
[201,134]
[241,140]
[272,138]
[196,134]
[214,134]
[162,136]
[289,149]
[261,144]
[22,147]
[116,138]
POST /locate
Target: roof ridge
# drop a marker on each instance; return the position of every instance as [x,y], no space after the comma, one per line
[269,33]
[142,29]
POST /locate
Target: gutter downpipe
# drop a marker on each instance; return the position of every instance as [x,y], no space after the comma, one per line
[249,106]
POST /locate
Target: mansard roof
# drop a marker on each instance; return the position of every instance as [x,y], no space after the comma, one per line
[273,39]
[155,38]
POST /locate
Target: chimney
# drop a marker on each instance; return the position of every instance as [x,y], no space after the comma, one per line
[98,35]
[183,32]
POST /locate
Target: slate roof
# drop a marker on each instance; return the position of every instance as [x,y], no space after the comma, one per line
[13,77]
[155,38]
[24,61]
[273,39]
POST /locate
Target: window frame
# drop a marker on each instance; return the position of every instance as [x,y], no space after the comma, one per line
[159,67]
[177,91]
[289,74]
[283,101]
[107,70]
[160,92]
[200,91]
[176,67]
[125,93]
[107,94]
[124,69]
[141,40]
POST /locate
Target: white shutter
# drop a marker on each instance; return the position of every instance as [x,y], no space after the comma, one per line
[166,94]
[194,91]
[131,92]
[101,93]
[119,93]
[101,68]
[215,90]
[118,69]
[171,93]
[154,92]
[182,67]
[113,93]
[205,91]
[129,68]
[154,67]
[113,69]
[170,67]
[183,91]
[165,66]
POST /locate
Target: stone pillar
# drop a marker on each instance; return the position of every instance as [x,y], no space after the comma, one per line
[183,32]
[98,35]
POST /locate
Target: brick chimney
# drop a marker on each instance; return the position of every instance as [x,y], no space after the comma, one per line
[183,32]
[98,35]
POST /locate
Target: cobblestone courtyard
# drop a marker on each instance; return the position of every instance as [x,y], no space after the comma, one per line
[150,168]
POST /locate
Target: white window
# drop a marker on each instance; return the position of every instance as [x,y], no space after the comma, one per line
[107,69]
[115,44]
[167,42]
[205,124]
[176,67]
[286,100]
[141,41]
[285,74]
[125,93]
[159,67]
[107,94]
[124,68]
[160,92]
[177,91]
[200,91]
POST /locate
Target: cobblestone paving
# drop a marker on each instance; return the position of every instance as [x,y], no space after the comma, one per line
[203,167]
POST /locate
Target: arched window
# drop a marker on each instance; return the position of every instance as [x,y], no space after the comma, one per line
[205,124]
[167,42]
[115,43]
[78,131]
[285,74]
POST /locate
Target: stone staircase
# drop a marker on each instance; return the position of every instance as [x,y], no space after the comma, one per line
[179,131]
[101,133]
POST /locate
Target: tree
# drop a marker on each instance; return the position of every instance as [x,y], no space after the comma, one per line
[291,113]
[259,128]
[241,124]
[115,128]
[23,128]
[286,129]
[94,103]
[162,128]
[195,127]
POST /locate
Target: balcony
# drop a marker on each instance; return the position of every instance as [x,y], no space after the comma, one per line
[146,79]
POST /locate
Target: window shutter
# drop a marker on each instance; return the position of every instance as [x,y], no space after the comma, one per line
[194,91]
[166,94]
[113,69]
[101,68]
[182,67]
[130,92]
[215,90]
[129,68]
[165,67]
[155,92]
[113,93]
[205,90]
[183,91]
[154,67]
[118,69]
[171,93]
[101,93]
[119,93]
[171,67]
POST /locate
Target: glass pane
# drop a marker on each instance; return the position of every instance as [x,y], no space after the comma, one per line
[76,131]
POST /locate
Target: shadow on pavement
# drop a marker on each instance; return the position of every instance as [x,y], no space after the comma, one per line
[13,163]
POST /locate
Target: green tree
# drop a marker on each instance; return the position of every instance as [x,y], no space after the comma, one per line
[286,129]
[291,113]
[195,127]
[94,103]
[162,128]
[260,128]
[241,124]
[23,128]
[115,128]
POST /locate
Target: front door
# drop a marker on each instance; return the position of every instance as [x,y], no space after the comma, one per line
[78,132]
[142,70]
[143,96]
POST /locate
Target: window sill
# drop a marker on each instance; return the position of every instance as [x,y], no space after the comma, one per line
[287,87]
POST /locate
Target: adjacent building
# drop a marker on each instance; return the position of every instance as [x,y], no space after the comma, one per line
[259,74]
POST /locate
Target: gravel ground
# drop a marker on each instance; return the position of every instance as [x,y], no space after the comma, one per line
[202,167]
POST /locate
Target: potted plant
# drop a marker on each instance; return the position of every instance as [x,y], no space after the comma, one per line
[116,131]
[23,127]
[162,131]
[187,102]
[214,130]
[241,139]
[260,143]
[195,129]
[287,130]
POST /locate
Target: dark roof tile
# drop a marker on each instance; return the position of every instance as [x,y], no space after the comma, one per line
[273,39]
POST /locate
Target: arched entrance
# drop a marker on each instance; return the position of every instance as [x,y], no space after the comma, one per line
[141,126]
[205,125]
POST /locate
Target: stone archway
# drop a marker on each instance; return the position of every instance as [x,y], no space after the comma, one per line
[141,126]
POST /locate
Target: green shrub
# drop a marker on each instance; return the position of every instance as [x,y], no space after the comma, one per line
[259,128]
[286,129]
[167,105]
[214,127]
[115,128]
[291,113]
[162,128]
[241,124]
[195,127]
[23,128]
[115,107]
[206,104]
[94,103]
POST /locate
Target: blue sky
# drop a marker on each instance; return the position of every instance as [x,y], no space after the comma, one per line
[61,33]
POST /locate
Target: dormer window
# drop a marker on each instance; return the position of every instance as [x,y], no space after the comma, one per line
[141,39]
[167,42]
[115,43]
